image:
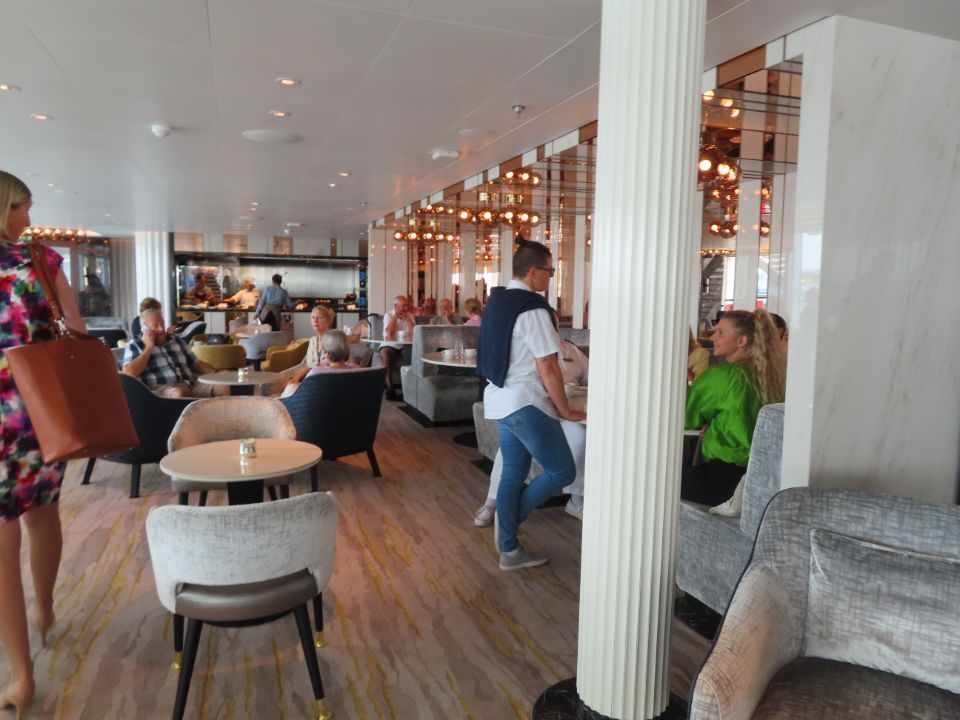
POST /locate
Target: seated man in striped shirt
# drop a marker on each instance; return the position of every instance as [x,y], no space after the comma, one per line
[164,362]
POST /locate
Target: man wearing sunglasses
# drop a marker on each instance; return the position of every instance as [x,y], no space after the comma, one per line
[518,355]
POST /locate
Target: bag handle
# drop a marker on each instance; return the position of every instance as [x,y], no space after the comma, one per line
[50,293]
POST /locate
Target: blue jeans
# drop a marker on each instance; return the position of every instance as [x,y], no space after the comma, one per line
[529,433]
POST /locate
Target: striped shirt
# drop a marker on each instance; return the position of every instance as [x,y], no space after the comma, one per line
[169,363]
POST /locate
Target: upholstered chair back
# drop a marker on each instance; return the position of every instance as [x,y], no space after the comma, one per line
[240,544]
[231,418]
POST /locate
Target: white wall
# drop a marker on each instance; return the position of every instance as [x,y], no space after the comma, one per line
[873,397]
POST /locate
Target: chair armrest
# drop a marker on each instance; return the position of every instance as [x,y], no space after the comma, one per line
[759,635]
[274,348]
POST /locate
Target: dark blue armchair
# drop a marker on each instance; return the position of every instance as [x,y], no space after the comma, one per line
[339,412]
[153,418]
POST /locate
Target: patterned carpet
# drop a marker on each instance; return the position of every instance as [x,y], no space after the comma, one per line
[420,622]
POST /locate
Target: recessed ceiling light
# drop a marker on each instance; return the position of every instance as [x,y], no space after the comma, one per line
[343,173]
[7,87]
[51,185]
[333,184]
[271,136]
[39,116]
[288,81]
[279,113]
[254,203]
[294,224]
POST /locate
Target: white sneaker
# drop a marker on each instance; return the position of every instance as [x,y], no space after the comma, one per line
[483,517]
[520,558]
[574,510]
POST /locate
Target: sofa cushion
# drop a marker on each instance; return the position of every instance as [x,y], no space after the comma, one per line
[763,470]
[817,689]
[885,608]
[711,555]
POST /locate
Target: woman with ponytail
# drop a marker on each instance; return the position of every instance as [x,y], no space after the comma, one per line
[726,399]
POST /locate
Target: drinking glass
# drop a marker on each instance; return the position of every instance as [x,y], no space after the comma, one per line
[458,349]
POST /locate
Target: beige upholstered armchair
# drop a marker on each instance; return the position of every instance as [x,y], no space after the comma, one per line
[230,418]
[284,357]
[848,609]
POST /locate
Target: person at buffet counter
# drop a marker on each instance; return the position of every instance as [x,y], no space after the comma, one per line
[273,301]
[446,316]
[247,297]
[474,311]
[395,321]
[518,355]
[575,366]
[200,293]
[165,363]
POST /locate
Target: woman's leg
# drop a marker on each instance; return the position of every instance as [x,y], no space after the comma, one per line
[13,617]
[46,544]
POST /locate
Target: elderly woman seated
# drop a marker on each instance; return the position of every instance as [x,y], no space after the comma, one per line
[334,355]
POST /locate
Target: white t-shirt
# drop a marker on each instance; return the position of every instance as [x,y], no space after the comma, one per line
[401,325]
[534,336]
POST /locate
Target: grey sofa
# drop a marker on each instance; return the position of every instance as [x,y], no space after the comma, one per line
[848,609]
[440,397]
[712,551]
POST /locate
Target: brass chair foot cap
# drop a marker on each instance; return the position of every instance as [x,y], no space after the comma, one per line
[177,660]
[322,711]
[319,642]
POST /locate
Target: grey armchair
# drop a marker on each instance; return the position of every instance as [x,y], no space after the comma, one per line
[439,396]
[848,609]
[243,565]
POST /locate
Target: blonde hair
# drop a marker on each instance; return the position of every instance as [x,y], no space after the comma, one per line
[764,352]
[329,314]
[693,343]
[472,306]
[13,193]
[336,346]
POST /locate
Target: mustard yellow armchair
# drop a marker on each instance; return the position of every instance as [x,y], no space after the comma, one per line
[222,357]
[283,357]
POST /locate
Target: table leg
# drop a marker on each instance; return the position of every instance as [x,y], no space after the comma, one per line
[245,492]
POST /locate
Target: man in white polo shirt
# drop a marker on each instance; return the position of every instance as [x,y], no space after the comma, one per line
[518,355]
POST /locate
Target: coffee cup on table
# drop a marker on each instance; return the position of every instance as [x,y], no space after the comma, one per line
[449,354]
[469,353]
[401,335]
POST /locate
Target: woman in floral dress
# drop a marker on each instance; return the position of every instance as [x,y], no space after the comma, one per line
[29,488]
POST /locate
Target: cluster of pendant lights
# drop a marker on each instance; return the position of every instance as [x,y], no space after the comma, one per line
[50,233]
[506,215]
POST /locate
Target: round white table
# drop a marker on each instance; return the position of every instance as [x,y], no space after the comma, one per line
[437,358]
[254,378]
[385,340]
[220,462]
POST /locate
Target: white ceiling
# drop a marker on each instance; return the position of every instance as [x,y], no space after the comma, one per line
[384,82]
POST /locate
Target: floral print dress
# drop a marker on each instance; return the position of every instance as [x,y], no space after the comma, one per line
[25,317]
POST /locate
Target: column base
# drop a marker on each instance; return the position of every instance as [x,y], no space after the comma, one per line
[562,702]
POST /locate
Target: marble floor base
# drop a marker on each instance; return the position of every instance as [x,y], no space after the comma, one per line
[561,702]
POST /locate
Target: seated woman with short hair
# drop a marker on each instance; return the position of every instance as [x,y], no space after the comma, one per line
[334,356]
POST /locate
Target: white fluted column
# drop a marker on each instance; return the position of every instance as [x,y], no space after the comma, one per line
[123,277]
[650,65]
[155,269]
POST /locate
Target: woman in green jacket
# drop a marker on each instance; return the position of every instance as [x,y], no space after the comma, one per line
[726,399]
